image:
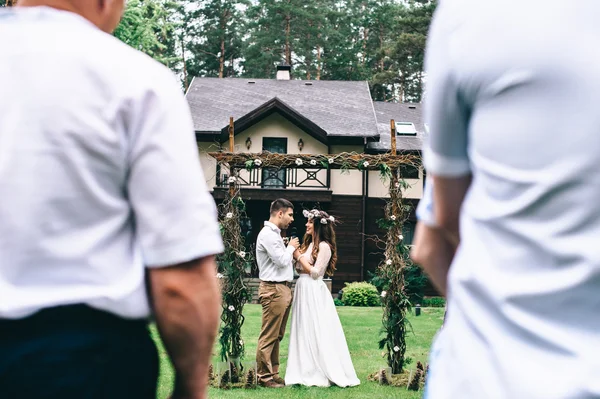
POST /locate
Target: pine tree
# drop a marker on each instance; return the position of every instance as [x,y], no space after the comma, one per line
[214,30]
[150,26]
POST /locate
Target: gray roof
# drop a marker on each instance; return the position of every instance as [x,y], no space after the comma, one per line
[400,112]
[341,108]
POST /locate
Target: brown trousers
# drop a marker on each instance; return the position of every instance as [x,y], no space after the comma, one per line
[276,300]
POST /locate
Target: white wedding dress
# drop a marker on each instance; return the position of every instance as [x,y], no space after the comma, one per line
[318,354]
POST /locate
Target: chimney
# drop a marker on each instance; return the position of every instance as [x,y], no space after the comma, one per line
[284,72]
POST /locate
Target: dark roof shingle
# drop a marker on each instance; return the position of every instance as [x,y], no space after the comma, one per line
[400,112]
[341,108]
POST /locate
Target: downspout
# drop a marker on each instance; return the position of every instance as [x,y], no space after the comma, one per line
[365,188]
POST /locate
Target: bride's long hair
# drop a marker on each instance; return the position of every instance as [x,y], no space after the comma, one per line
[321,233]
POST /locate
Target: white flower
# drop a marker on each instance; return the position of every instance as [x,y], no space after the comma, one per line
[242,254]
[383,294]
[241,342]
[393,217]
[231,308]
[400,237]
[229,215]
[397,185]
[306,213]
[365,164]
[220,276]
[388,262]
[330,160]
[323,221]
[257,162]
[313,162]
[331,219]
[232,180]
[396,349]
[316,213]
[298,161]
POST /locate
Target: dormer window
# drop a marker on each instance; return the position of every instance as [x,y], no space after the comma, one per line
[405,129]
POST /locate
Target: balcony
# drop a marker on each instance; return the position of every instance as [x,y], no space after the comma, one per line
[296,183]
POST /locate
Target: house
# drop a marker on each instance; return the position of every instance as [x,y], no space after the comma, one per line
[283,115]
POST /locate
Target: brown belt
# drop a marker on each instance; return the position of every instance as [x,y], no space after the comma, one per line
[286,283]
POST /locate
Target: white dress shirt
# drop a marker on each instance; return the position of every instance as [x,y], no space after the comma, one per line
[513,101]
[274,259]
[99,169]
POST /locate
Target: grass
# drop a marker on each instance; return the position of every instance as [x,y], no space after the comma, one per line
[361,326]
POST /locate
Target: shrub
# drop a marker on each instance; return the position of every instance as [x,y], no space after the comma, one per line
[415,281]
[360,294]
[338,302]
[433,302]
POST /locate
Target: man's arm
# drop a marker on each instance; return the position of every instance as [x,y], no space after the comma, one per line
[434,253]
[448,196]
[187,303]
[431,248]
[282,256]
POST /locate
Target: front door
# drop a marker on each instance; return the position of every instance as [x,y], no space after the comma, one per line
[274,177]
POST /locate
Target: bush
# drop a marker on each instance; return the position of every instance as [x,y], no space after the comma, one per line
[433,302]
[415,281]
[360,294]
[338,302]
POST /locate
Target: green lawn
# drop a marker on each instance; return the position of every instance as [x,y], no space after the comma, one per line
[361,326]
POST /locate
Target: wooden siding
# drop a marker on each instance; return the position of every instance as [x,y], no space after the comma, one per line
[347,209]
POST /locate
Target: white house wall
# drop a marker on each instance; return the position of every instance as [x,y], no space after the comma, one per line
[380,189]
[209,164]
[276,126]
[350,182]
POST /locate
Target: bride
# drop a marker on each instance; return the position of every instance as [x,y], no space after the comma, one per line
[318,354]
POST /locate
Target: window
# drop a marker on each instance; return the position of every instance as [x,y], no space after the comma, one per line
[406,129]
[408,232]
[409,172]
[274,177]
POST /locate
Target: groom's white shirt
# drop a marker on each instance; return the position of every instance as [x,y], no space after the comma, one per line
[273,258]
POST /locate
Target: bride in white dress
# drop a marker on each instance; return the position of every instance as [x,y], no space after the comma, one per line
[318,354]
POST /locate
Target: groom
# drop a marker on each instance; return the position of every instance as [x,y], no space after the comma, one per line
[276,273]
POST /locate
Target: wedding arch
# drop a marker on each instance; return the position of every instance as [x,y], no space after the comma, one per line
[236,261]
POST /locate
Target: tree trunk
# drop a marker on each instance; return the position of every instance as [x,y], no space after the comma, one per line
[318,63]
[185,74]
[288,28]
[222,55]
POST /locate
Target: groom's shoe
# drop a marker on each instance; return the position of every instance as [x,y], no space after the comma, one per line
[279,380]
[271,384]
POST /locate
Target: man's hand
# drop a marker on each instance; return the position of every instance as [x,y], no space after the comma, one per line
[187,304]
[294,242]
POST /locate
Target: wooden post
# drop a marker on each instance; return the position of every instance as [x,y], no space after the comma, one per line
[231,149]
[231,131]
[394,179]
[393,134]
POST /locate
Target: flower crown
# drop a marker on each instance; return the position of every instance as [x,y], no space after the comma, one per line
[315,213]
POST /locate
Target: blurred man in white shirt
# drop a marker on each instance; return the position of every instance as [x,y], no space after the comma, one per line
[517,196]
[101,191]
[276,272]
